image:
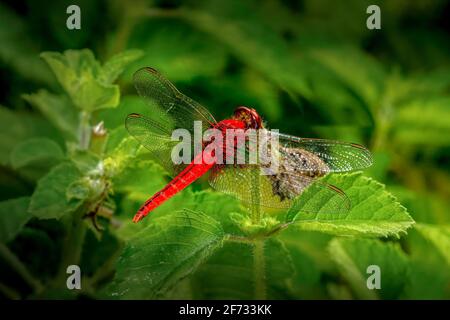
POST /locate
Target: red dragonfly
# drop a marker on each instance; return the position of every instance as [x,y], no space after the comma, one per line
[301,160]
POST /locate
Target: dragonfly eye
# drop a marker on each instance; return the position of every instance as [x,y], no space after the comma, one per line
[249,116]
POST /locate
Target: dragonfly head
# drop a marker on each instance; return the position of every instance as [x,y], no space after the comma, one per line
[249,116]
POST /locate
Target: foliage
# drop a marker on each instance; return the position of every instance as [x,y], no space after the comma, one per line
[71,176]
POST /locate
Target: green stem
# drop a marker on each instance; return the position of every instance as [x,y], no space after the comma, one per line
[255,206]
[84,130]
[258,248]
[73,245]
[20,268]
[259,270]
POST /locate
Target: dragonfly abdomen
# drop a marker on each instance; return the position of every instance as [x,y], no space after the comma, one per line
[186,177]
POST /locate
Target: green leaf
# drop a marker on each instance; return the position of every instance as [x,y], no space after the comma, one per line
[16,126]
[49,200]
[13,216]
[57,109]
[116,65]
[429,248]
[216,205]
[167,250]
[374,211]
[36,156]
[88,163]
[79,189]
[233,273]
[354,256]
[118,159]
[93,95]
[77,71]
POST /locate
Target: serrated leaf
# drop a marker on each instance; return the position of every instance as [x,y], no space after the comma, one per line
[354,256]
[429,248]
[13,216]
[77,71]
[216,205]
[57,109]
[374,211]
[167,250]
[49,199]
[116,64]
[34,152]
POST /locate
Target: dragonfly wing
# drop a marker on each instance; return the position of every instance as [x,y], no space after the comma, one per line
[278,191]
[155,137]
[336,156]
[168,105]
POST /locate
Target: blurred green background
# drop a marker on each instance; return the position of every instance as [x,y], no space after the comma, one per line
[311,68]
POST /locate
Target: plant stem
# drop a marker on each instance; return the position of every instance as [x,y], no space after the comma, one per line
[258,247]
[73,245]
[20,268]
[84,130]
[255,206]
[259,270]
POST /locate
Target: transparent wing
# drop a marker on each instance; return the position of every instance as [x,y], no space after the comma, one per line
[278,191]
[156,138]
[168,106]
[336,156]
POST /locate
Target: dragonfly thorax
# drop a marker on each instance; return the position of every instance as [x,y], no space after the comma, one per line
[249,116]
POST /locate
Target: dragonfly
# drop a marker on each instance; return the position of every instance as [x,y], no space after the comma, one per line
[301,161]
